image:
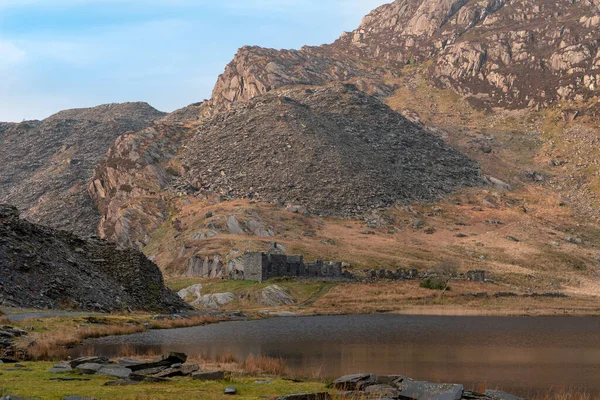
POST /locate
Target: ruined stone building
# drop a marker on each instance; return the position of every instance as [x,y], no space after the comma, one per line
[260,266]
[477,275]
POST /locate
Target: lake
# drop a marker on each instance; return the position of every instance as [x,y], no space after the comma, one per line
[516,354]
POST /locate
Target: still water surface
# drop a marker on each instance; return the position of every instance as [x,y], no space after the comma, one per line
[520,354]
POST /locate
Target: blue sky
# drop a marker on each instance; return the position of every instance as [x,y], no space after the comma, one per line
[59,54]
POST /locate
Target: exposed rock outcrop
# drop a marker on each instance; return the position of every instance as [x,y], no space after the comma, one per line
[138,166]
[256,70]
[215,300]
[46,164]
[44,268]
[524,53]
[275,296]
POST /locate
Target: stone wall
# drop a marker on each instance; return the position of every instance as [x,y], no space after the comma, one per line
[476,275]
[259,266]
[205,267]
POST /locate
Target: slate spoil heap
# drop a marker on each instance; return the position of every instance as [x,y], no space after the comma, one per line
[333,149]
[44,268]
[46,164]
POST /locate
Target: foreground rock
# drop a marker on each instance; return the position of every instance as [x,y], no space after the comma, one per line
[358,386]
[8,334]
[306,396]
[371,386]
[45,268]
[131,371]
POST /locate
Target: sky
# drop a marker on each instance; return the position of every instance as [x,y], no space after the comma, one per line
[60,54]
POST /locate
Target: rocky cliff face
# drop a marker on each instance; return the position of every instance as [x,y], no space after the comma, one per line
[515,54]
[45,268]
[46,165]
[255,71]
[131,186]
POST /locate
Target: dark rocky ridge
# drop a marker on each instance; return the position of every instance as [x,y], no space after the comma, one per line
[46,164]
[44,268]
[333,149]
[508,53]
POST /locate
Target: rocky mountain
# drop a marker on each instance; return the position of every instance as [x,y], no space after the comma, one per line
[332,150]
[44,268]
[46,164]
[449,129]
[508,53]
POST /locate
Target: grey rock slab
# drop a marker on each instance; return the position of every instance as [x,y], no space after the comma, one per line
[88,360]
[380,390]
[142,378]
[128,362]
[390,379]
[78,398]
[124,382]
[306,396]
[233,226]
[151,371]
[184,370]
[230,390]
[89,368]
[416,390]
[208,375]
[350,395]
[162,361]
[65,379]
[354,382]
[115,371]
[500,395]
[61,367]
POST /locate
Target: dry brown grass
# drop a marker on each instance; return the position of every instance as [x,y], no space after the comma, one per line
[409,298]
[260,365]
[127,350]
[227,358]
[196,320]
[54,345]
[564,394]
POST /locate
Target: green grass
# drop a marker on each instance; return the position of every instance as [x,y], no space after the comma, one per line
[303,292]
[37,384]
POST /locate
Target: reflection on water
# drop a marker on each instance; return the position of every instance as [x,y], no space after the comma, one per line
[517,354]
